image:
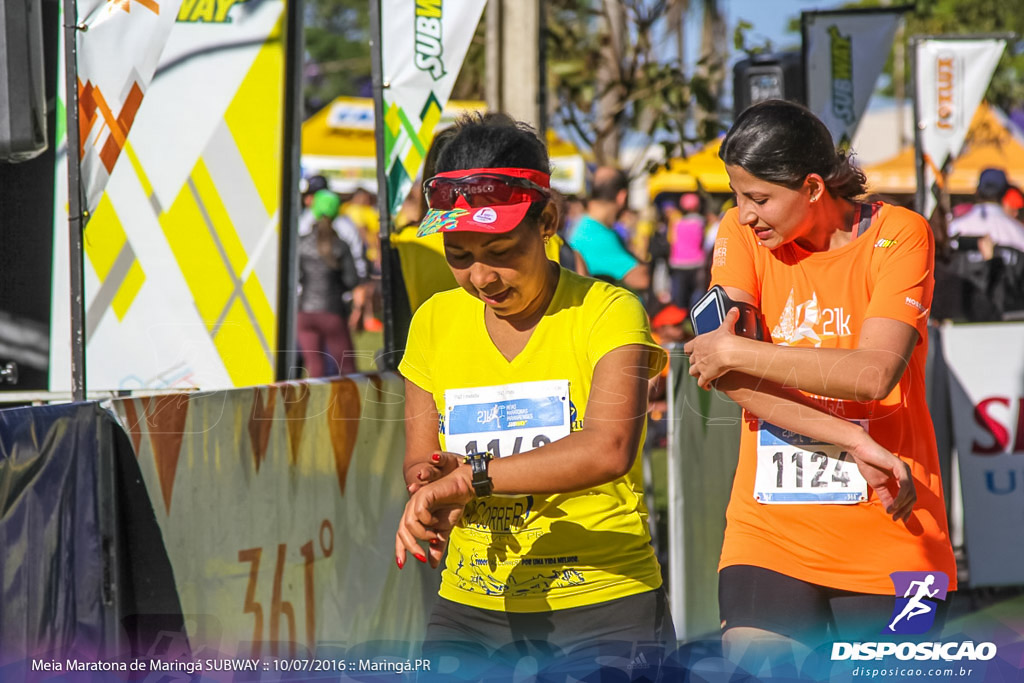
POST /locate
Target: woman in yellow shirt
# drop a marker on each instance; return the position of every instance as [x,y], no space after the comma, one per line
[542,374]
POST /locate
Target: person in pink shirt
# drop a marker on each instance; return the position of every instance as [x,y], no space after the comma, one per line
[686,253]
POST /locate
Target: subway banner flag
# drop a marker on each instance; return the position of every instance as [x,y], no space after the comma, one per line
[845,55]
[423,43]
[181,247]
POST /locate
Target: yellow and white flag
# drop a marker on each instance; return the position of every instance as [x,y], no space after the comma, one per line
[181,250]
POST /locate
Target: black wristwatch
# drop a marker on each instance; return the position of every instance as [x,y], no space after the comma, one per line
[482,485]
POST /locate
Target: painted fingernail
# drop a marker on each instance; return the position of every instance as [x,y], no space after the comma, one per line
[400,562]
[421,558]
[436,457]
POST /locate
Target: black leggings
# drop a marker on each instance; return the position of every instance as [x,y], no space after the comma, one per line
[631,635]
[808,613]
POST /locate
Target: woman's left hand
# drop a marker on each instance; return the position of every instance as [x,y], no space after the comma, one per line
[431,513]
[888,476]
[707,351]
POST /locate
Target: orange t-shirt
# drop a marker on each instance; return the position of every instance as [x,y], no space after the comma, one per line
[820,299]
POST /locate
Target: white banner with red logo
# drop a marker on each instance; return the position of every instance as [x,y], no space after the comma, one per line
[119,46]
[845,53]
[951,77]
[988,426]
[422,44]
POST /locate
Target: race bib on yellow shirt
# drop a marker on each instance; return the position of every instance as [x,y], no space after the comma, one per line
[506,419]
[793,468]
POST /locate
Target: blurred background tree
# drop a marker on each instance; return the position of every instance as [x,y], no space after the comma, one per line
[616,71]
[337,60]
[337,51]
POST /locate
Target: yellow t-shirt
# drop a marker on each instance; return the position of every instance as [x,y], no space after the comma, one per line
[540,553]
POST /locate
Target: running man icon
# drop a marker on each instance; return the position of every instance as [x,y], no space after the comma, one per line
[920,591]
[915,606]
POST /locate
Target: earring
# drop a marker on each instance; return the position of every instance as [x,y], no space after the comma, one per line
[547,238]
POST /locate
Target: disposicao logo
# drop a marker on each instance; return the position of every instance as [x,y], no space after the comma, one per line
[917,598]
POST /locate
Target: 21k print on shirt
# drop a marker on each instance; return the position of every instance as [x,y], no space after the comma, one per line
[798,321]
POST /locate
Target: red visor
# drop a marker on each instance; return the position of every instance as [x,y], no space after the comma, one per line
[493,200]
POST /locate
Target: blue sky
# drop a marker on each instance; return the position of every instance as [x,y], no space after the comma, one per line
[771,18]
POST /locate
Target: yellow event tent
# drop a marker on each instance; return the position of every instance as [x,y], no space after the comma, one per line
[683,175]
[338,142]
[990,142]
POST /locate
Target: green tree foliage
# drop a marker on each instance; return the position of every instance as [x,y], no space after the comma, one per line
[337,50]
[338,55]
[941,17]
[608,75]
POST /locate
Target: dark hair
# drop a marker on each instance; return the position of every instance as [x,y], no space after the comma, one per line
[437,145]
[495,140]
[783,142]
[608,183]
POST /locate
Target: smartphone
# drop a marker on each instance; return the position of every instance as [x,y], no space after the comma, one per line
[708,313]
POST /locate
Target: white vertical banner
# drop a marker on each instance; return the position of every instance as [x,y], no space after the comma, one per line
[951,76]
[119,46]
[423,44]
[986,365]
[181,248]
[844,55]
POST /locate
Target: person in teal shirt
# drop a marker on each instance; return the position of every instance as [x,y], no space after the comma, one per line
[602,249]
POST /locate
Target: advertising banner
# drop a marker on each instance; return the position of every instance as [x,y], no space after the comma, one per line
[423,44]
[119,45]
[951,76]
[988,428]
[704,446]
[278,506]
[844,54]
[181,250]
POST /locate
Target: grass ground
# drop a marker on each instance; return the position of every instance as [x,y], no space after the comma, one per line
[367,345]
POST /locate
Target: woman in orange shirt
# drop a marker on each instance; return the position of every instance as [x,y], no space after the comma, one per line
[838,482]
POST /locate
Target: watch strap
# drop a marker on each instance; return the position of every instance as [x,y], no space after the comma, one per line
[482,484]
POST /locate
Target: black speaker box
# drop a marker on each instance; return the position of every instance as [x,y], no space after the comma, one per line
[22,81]
[777,76]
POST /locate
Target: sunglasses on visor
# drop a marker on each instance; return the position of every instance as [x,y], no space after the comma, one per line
[481,189]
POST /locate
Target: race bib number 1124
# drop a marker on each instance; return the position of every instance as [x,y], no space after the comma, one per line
[793,468]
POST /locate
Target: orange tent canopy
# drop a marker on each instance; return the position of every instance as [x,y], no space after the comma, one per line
[990,143]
